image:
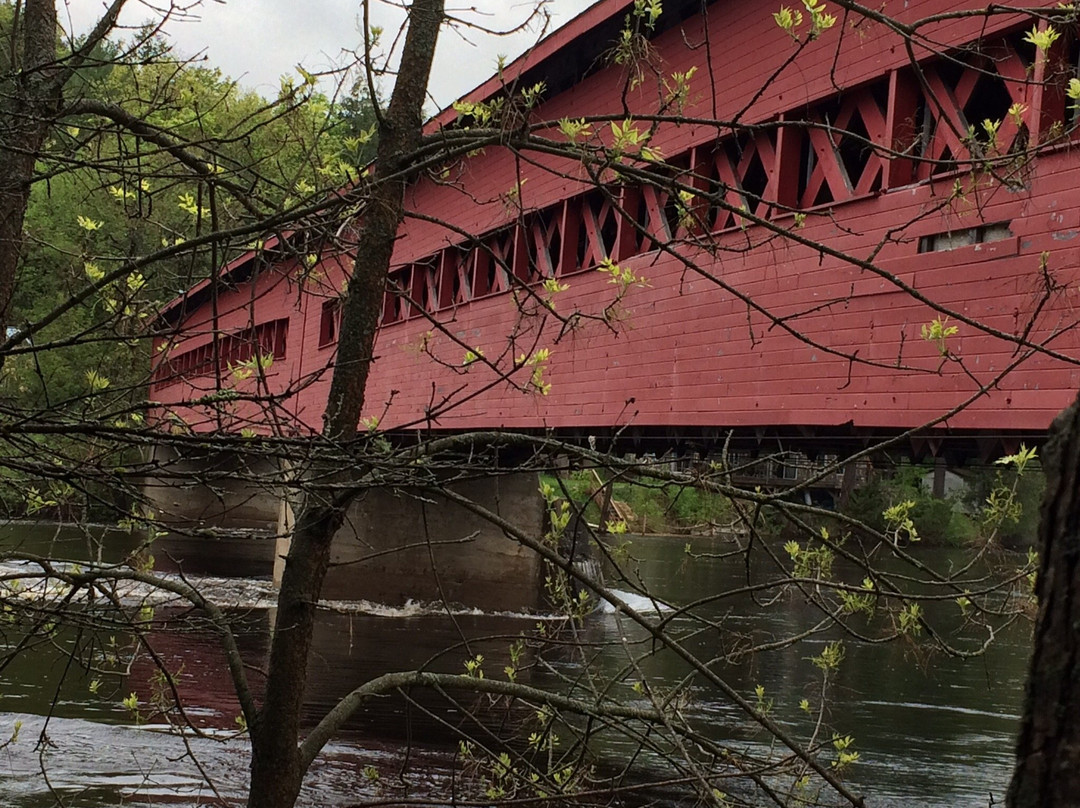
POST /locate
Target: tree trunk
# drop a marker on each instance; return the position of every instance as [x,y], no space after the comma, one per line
[276,766]
[1048,750]
[27,110]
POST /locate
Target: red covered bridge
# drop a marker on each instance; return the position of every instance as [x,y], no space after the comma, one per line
[783,248]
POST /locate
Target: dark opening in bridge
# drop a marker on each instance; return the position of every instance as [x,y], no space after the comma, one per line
[328,322]
[954,239]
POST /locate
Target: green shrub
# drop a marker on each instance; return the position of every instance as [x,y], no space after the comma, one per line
[656,508]
[1022,531]
[938,521]
[692,506]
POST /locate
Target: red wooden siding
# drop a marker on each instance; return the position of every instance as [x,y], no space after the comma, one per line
[748,328]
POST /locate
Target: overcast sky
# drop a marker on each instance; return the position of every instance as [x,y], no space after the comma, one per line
[256,41]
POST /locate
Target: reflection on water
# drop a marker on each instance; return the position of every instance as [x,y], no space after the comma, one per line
[930,731]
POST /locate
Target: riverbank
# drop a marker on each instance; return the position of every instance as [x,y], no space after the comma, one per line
[646,508]
[956,520]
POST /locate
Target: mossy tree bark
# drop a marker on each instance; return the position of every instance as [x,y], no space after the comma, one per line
[1048,750]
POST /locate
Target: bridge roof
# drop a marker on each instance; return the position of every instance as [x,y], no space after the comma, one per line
[567,54]
[235,271]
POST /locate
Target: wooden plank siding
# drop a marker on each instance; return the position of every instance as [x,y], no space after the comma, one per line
[686,349]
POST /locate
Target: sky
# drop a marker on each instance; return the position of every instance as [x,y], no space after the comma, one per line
[257,41]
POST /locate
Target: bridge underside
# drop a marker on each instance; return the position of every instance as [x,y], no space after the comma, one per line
[956,447]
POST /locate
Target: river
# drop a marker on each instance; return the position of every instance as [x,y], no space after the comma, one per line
[930,730]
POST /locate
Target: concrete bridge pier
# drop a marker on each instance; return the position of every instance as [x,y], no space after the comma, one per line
[221,509]
[400,545]
[231,514]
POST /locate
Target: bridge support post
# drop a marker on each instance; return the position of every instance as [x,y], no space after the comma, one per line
[940,468]
[220,507]
[402,545]
[848,483]
[232,514]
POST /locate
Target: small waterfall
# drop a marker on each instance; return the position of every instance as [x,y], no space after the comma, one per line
[590,568]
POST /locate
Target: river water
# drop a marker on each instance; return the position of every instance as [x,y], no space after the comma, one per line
[930,730]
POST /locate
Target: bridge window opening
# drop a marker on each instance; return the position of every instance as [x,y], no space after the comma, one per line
[1014,57]
[661,217]
[269,339]
[665,215]
[946,163]
[502,269]
[815,190]
[633,203]
[579,252]
[739,179]
[449,277]
[754,182]
[492,280]
[609,230]
[498,275]
[195,362]
[906,139]
[787,466]
[856,152]
[576,238]
[456,295]
[807,164]
[415,296]
[517,260]
[388,310]
[829,180]
[837,155]
[500,246]
[405,294]
[989,101]
[425,286]
[718,168]
[272,338]
[395,287]
[600,230]
[648,226]
[677,217]
[478,271]
[466,276]
[554,242]
[329,322]
[536,257]
[1058,73]
[569,229]
[924,131]
[540,232]
[966,111]
[955,239]
[879,93]
[942,124]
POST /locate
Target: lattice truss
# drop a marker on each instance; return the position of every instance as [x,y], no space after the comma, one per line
[977,106]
